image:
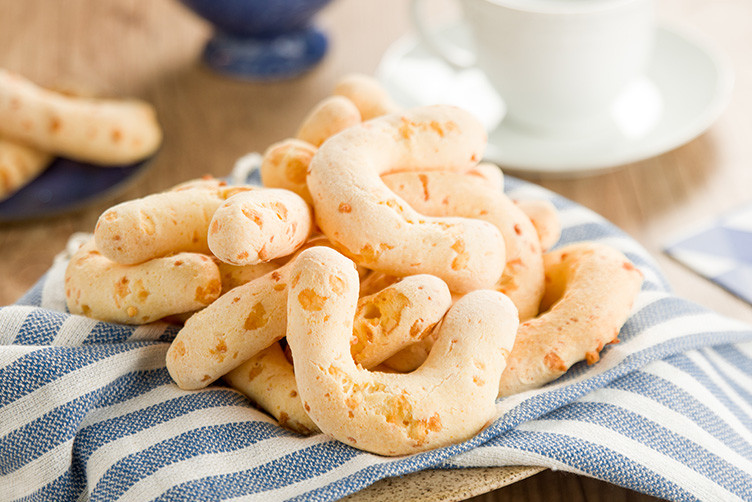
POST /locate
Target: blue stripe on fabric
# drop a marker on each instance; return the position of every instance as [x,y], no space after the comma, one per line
[544,402]
[97,435]
[745,394]
[105,332]
[304,464]
[201,441]
[735,357]
[677,399]
[41,367]
[57,426]
[657,437]
[67,486]
[688,366]
[40,327]
[660,311]
[594,459]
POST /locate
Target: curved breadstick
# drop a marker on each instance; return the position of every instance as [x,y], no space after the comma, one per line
[590,289]
[449,399]
[237,326]
[545,219]
[285,164]
[330,116]
[160,224]
[489,174]
[249,318]
[268,379]
[102,131]
[19,164]
[384,323]
[453,194]
[258,226]
[368,95]
[136,294]
[379,230]
[398,315]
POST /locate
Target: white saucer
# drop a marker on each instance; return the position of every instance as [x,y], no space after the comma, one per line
[685,89]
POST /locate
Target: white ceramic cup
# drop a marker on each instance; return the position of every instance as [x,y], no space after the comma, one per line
[559,65]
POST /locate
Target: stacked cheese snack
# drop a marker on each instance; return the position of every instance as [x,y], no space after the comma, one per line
[379,288]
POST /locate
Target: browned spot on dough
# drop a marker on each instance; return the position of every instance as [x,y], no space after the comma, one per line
[242,255]
[462,258]
[254,216]
[283,418]
[276,275]
[178,263]
[121,287]
[424,181]
[256,317]
[116,135]
[517,229]
[280,286]
[592,356]
[478,381]
[55,124]
[554,362]
[344,207]
[307,408]
[293,393]
[311,301]
[131,311]
[85,309]
[351,439]
[179,348]
[337,284]
[255,371]
[214,228]
[209,293]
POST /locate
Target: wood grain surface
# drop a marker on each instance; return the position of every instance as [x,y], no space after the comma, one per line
[150,49]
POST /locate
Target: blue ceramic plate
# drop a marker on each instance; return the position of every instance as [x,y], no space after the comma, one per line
[66,185]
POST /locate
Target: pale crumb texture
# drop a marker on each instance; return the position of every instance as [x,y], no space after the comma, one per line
[590,289]
[101,131]
[332,115]
[397,316]
[236,327]
[545,219]
[368,95]
[448,400]
[445,194]
[160,224]
[376,228]
[258,226]
[19,165]
[285,165]
[137,294]
[268,379]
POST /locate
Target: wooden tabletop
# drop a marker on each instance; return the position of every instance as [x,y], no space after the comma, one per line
[150,49]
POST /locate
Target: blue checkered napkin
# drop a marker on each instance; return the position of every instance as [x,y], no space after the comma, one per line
[88,411]
[721,251]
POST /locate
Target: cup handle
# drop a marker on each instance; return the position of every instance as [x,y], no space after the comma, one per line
[455,56]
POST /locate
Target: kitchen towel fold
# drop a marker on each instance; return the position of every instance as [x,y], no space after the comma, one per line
[88,410]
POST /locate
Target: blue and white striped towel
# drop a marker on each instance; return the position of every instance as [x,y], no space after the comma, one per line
[88,411]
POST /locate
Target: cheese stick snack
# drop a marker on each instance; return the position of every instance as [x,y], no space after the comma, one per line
[19,164]
[100,131]
[137,294]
